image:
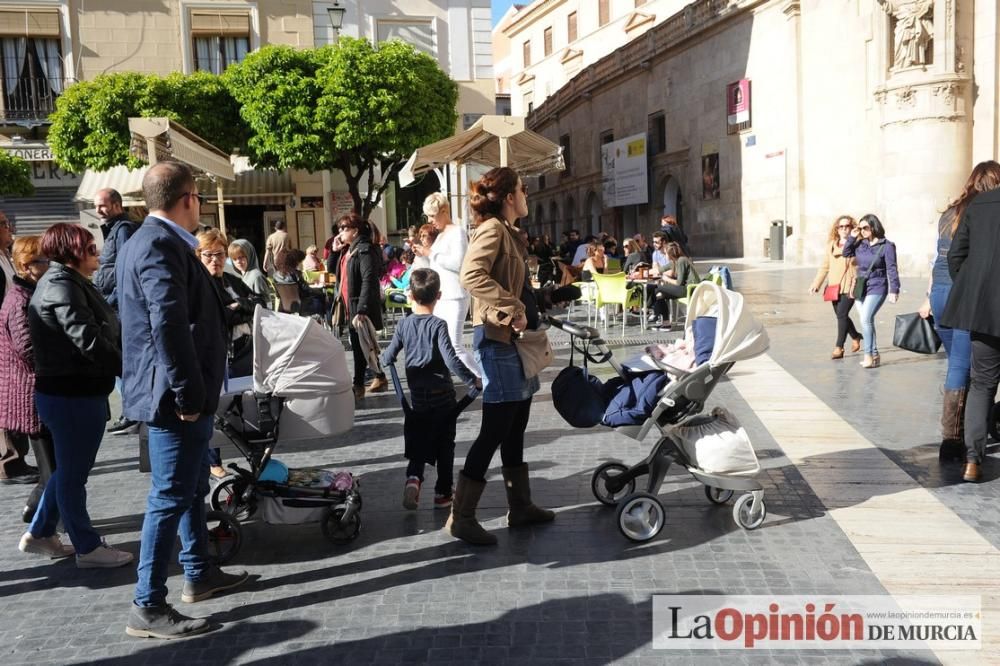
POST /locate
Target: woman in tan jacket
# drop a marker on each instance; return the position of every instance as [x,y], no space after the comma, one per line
[839,271]
[503,305]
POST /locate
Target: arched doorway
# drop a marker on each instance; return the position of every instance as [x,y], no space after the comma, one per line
[569,218]
[554,220]
[672,201]
[538,220]
[593,215]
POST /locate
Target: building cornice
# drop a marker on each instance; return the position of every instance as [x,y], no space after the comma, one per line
[530,14]
[674,34]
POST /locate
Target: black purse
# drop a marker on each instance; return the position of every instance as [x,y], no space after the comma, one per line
[916,334]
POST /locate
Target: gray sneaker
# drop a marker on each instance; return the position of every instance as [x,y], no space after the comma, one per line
[214,580]
[162,622]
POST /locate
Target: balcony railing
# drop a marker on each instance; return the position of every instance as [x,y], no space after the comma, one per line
[32,99]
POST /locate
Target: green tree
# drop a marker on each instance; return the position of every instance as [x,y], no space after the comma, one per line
[15,176]
[349,107]
[90,124]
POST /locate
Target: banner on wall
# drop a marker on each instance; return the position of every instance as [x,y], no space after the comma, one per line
[624,172]
[738,102]
[341,204]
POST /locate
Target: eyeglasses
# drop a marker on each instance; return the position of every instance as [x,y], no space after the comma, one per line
[344,227]
[92,250]
[41,261]
[865,227]
[213,256]
[524,189]
[843,226]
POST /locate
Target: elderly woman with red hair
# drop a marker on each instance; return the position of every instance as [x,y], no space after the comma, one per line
[76,339]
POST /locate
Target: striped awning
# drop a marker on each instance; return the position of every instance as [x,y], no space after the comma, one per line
[252,187]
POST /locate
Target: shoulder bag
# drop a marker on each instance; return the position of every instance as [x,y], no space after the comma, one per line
[861,281]
[535,352]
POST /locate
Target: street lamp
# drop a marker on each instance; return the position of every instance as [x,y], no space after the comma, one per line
[336,14]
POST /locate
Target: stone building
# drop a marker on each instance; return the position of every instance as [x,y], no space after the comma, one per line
[48,44]
[752,111]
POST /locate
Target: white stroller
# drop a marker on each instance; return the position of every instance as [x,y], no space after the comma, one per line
[300,390]
[738,336]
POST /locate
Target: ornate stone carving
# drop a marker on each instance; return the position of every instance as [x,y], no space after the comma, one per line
[905,97]
[913,31]
[946,91]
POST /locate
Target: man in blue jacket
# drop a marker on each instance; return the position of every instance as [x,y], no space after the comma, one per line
[173,356]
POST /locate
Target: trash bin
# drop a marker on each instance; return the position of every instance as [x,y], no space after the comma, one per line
[777,247]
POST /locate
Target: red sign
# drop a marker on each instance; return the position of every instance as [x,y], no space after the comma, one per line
[738,102]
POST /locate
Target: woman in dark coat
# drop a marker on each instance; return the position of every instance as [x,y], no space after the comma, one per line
[76,338]
[18,415]
[974,305]
[358,267]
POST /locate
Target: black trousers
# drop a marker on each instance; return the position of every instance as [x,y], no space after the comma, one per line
[985,375]
[845,326]
[665,292]
[45,458]
[503,427]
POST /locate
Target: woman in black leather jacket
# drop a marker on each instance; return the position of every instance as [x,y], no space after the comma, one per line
[77,342]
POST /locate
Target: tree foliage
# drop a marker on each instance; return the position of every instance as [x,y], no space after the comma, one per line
[15,176]
[349,107]
[90,124]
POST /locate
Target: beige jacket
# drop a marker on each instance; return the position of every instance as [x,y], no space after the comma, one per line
[493,273]
[836,269]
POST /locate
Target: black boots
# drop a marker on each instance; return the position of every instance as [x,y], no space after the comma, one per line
[522,510]
[462,523]
[953,426]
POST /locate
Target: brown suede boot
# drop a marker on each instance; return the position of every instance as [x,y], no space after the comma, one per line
[462,523]
[953,426]
[522,510]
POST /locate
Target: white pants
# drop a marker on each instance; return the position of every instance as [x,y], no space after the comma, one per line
[453,312]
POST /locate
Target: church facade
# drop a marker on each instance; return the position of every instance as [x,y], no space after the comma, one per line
[755,114]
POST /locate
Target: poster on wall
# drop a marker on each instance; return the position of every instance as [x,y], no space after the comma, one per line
[311,202]
[710,176]
[341,204]
[624,172]
[306,221]
[738,102]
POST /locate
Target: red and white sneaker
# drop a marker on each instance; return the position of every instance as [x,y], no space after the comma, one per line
[411,493]
[442,501]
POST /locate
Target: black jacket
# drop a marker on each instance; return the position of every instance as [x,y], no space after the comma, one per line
[104,278]
[974,265]
[364,270]
[74,332]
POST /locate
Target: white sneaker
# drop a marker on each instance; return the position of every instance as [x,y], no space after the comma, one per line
[103,557]
[652,318]
[50,546]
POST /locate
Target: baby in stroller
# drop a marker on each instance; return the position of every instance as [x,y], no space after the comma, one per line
[300,390]
[713,448]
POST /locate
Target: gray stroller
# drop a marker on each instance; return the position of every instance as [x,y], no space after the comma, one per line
[738,336]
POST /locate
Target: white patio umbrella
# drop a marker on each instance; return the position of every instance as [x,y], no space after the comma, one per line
[492,141]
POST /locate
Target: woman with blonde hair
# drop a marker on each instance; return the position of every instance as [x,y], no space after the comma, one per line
[957,342]
[838,272]
[446,255]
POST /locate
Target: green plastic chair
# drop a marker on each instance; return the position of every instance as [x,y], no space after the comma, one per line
[614,290]
[612,265]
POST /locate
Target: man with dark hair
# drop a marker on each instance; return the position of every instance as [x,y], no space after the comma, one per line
[174,358]
[276,242]
[117,229]
[429,426]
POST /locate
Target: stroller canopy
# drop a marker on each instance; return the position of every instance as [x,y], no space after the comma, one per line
[294,356]
[738,335]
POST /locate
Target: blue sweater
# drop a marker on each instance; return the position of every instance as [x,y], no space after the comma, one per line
[429,355]
[878,264]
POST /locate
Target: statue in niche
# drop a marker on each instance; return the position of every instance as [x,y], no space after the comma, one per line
[913,31]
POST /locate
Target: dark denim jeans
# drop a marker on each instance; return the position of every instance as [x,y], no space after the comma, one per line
[178,456]
[77,427]
[957,344]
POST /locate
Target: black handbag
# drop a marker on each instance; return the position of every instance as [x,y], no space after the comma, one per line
[916,334]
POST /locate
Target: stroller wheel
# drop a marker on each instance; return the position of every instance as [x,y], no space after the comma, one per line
[228,497]
[224,536]
[604,478]
[749,514]
[640,517]
[338,530]
[718,495]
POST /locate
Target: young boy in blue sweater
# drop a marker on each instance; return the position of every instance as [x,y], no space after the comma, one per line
[429,424]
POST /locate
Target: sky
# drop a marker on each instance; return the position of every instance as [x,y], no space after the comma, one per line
[500,8]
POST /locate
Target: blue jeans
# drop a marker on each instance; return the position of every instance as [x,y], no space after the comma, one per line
[77,427]
[957,344]
[178,456]
[869,306]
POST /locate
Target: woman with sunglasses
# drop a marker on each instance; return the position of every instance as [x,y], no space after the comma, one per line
[239,304]
[876,262]
[77,343]
[838,272]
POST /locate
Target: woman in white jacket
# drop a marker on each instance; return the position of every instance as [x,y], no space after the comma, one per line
[446,255]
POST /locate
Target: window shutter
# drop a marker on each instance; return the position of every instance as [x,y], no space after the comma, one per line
[218,23]
[29,22]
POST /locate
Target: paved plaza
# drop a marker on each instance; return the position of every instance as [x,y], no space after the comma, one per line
[857,504]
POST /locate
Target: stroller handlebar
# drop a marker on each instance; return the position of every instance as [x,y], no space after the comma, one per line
[576,330]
